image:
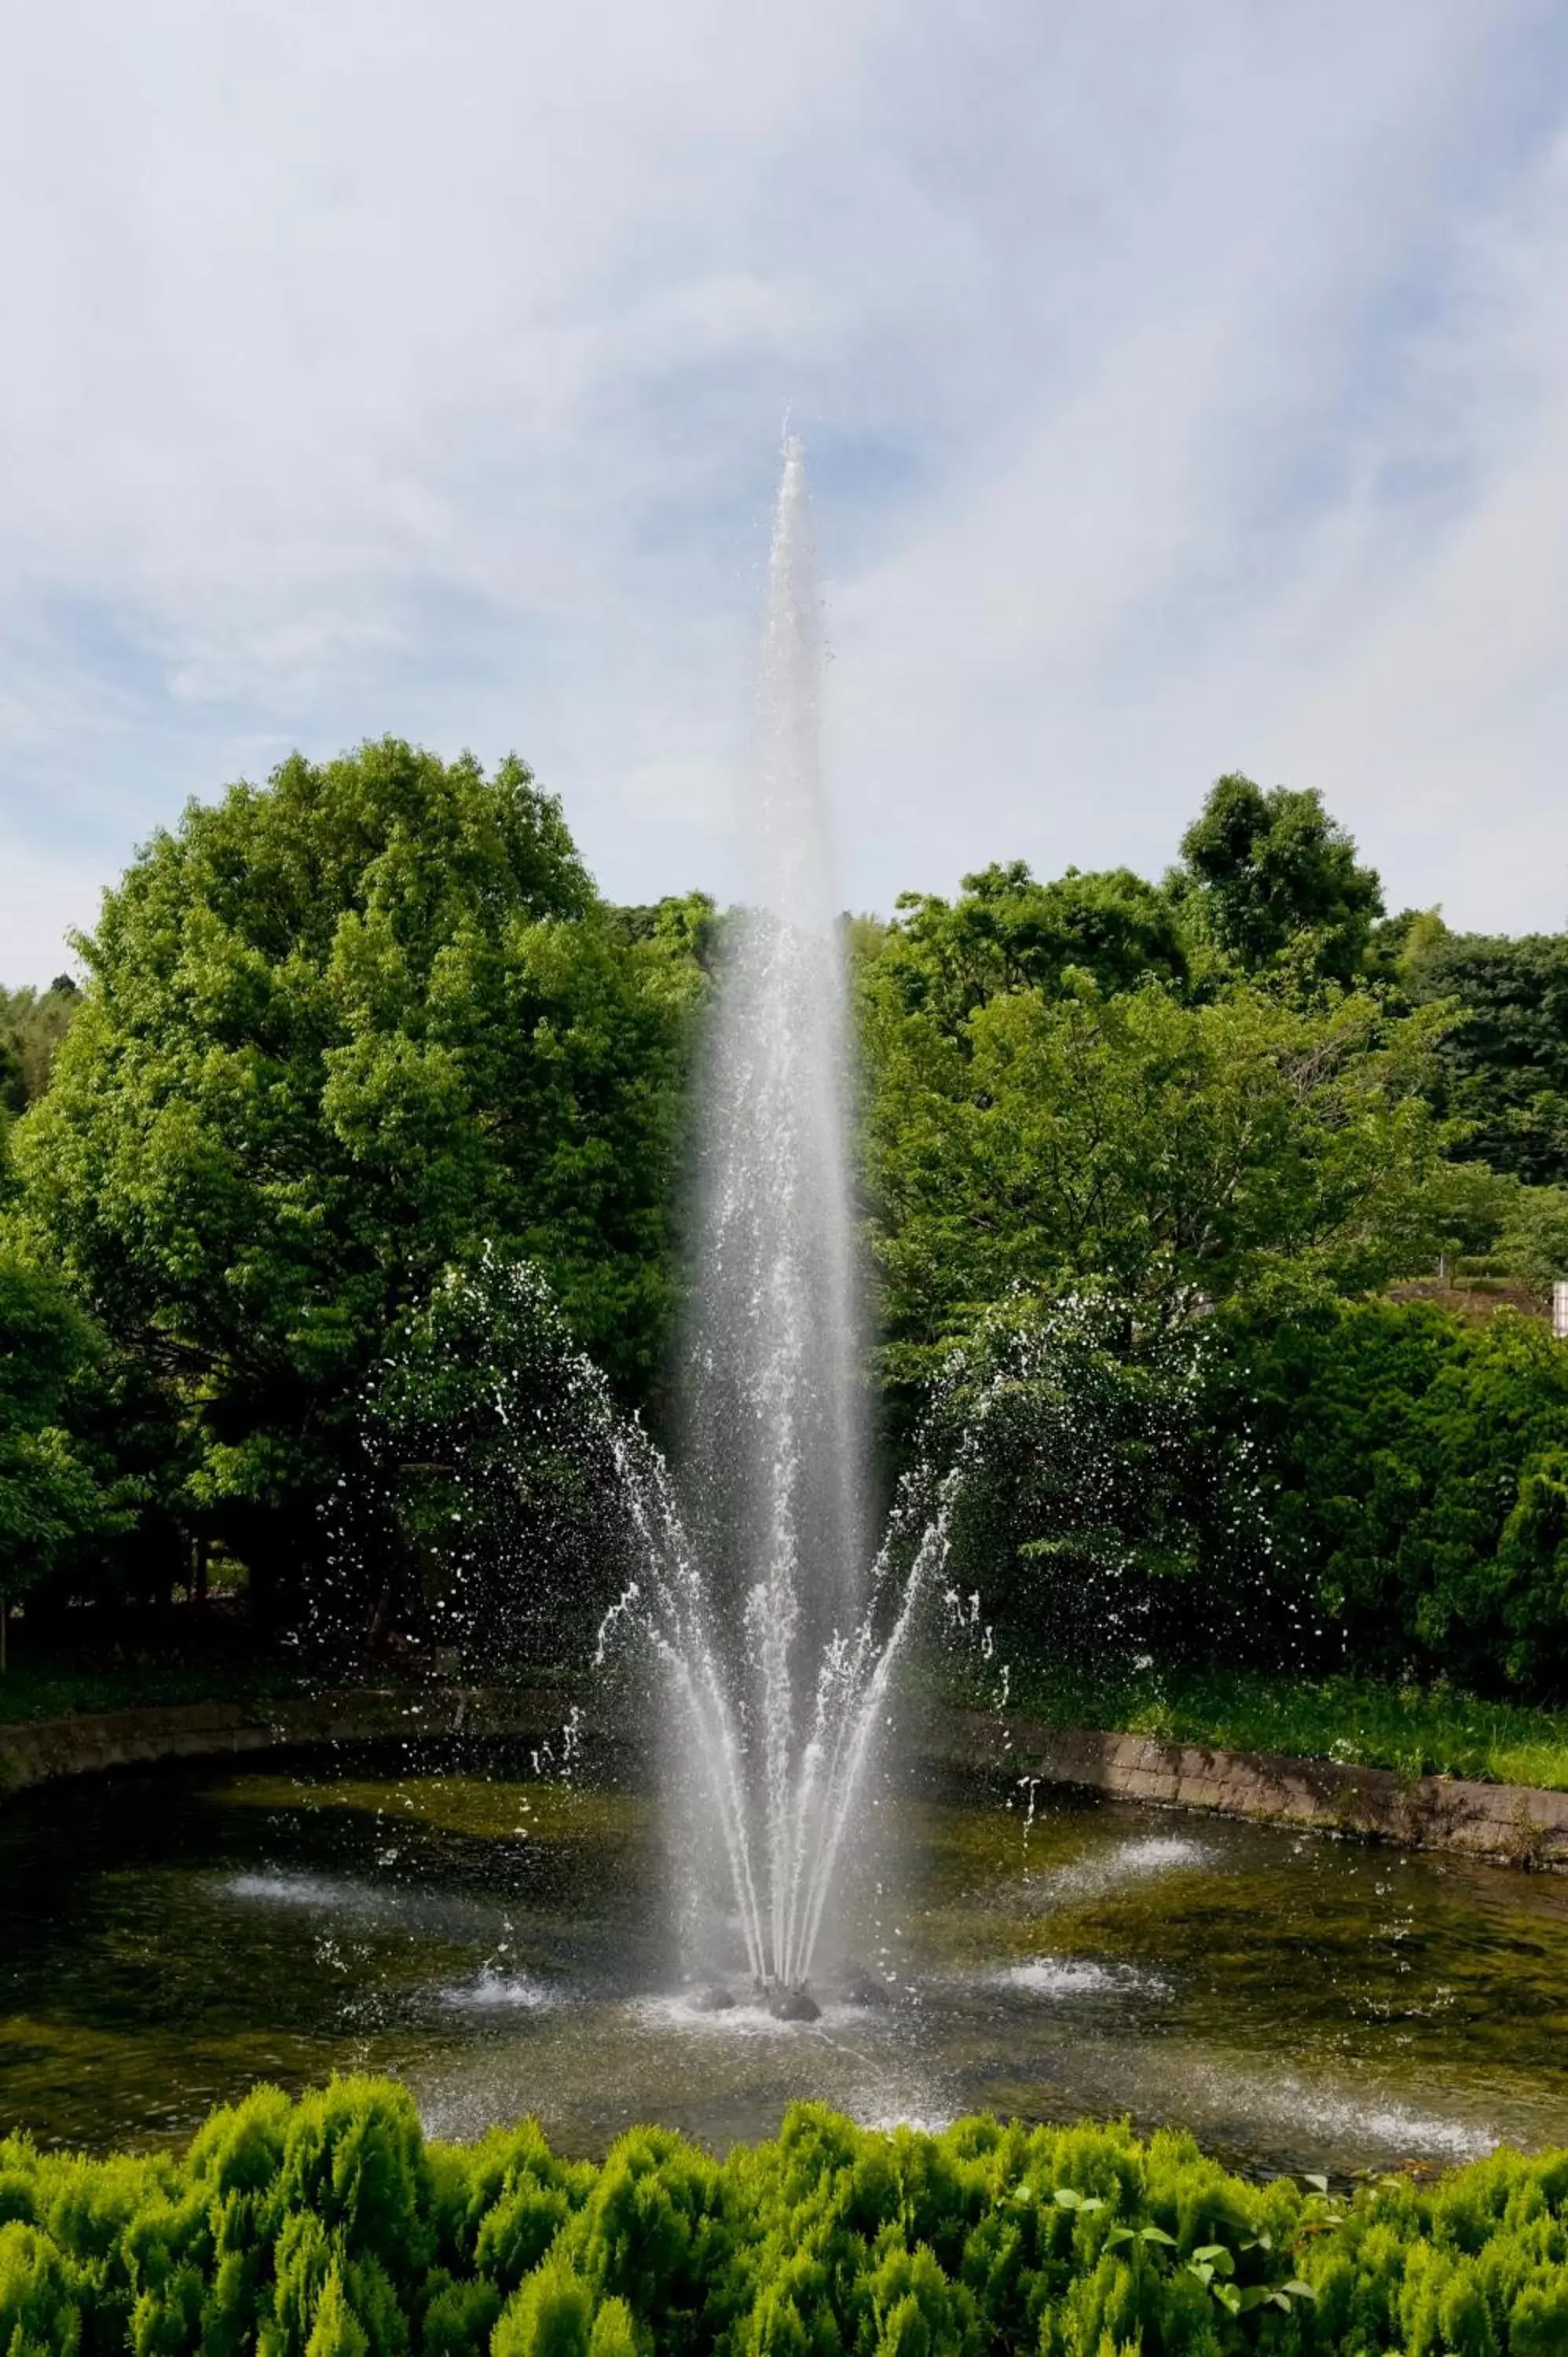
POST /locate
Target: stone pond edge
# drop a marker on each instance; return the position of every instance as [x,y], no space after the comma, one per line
[1517,1824]
[1512,1824]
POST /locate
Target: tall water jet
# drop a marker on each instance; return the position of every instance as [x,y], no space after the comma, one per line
[774,1399]
[776,1627]
[775,1459]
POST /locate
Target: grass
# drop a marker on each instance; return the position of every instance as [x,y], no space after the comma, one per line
[1417,1731]
[53,1689]
[53,1685]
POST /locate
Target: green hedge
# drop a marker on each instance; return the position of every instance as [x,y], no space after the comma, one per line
[329,2228]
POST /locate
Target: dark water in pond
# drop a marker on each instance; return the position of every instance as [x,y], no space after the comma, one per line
[171,1937]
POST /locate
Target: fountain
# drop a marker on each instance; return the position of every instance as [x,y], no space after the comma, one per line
[775,1628]
[486,1921]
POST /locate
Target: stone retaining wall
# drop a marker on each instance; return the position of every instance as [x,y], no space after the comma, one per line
[1511,1823]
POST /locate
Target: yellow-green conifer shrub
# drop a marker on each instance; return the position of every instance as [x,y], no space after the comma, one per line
[329,2228]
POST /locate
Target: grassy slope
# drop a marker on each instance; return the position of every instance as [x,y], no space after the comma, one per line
[1416,1731]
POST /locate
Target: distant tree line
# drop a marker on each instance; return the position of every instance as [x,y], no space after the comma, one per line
[32,1024]
[1140,1162]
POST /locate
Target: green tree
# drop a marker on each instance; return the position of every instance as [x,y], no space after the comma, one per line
[1265,874]
[54,1497]
[338,1030]
[686,923]
[1416,1471]
[1008,933]
[32,1024]
[1503,1065]
[489,1439]
[1174,1152]
[1100,1505]
[1533,1243]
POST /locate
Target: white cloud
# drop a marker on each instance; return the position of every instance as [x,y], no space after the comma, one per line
[45,900]
[1185,390]
[674,792]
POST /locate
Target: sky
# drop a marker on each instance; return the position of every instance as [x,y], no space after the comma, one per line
[1185,390]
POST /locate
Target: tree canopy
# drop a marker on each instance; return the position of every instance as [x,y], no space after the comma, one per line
[1422,1467]
[1172,1150]
[1266,871]
[55,1497]
[1006,932]
[1503,1066]
[338,1031]
[32,1024]
[489,1439]
[368,1120]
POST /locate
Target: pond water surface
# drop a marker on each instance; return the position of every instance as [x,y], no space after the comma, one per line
[501,1943]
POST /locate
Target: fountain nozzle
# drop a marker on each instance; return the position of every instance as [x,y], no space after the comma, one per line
[792,2004]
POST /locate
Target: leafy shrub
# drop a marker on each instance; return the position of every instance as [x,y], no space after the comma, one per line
[329,2229]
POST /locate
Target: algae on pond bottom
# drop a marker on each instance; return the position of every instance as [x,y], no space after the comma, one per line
[480,1807]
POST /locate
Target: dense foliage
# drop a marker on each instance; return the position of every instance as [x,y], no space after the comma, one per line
[338,1032]
[1173,1151]
[1007,932]
[1271,878]
[1503,1066]
[1104,1508]
[56,1496]
[327,2228]
[484,1514]
[1423,1473]
[1230,1106]
[356,1043]
[32,1024]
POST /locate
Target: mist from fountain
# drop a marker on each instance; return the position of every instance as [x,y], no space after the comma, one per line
[777,1627]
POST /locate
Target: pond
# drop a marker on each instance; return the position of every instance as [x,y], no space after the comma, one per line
[500,1942]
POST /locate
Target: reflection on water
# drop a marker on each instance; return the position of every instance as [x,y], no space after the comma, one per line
[172,1936]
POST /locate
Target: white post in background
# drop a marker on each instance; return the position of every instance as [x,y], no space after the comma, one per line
[1559,1309]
